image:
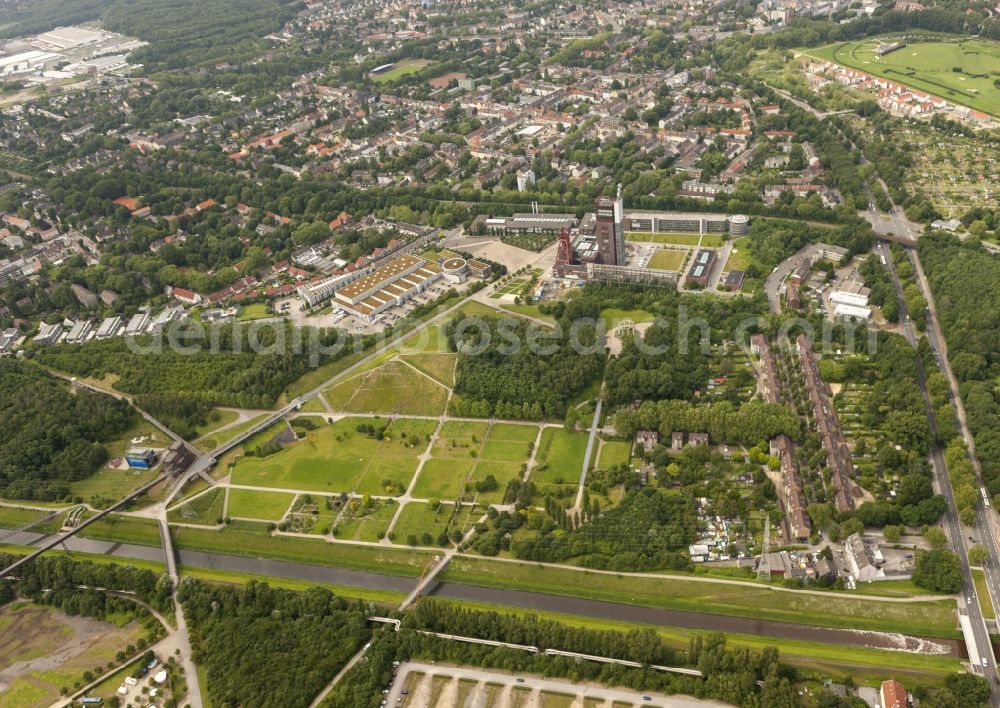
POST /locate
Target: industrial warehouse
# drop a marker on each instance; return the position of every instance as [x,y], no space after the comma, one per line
[388,286]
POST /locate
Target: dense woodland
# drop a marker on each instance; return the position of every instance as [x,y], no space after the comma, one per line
[959,275]
[61,574]
[180,386]
[52,436]
[498,374]
[266,647]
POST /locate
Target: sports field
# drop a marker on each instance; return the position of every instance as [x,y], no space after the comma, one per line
[338,458]
[959,71]
[400,69]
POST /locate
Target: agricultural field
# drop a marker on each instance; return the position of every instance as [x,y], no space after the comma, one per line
[466,453]
[206,509]
[677,239]
[959,71]
[667,259]
[393,388]
[340,458]
[560,457]
[43,649]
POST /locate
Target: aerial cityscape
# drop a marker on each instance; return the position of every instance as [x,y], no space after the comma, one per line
[539,354]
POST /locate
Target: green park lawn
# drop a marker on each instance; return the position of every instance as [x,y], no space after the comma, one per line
[125,529]
[614,452]
[256,311]
[111,484]
[213,440]
[443,478]
[216,419]
[612,316]
[242,541]
[393,388]
[929,66]
[739,256]
[253,504]
[667,259]
[417,518]
[467,451]
[367,526]
[439,366]
[338,458]
[677,239]
[205,509]
[12,517]
[560,457]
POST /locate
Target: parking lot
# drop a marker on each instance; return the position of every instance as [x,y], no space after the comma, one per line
[425,685]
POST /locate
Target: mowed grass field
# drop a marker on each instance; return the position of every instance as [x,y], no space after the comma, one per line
[560,457]
[667,259]
[439,366]
[253,504]
[338,458]
[206,509]
[677,239]
[470,451]
[249,541]
[929,67]
[393,388]
[613,452]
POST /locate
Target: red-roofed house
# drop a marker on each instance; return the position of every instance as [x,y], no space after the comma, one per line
[207,204]
[129,203]
[186,296]
[893,694]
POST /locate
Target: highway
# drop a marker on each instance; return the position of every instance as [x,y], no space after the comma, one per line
[972,609]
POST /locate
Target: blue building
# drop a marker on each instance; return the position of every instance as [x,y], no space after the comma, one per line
[141,457]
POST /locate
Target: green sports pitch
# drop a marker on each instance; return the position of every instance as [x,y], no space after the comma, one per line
[960,71]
